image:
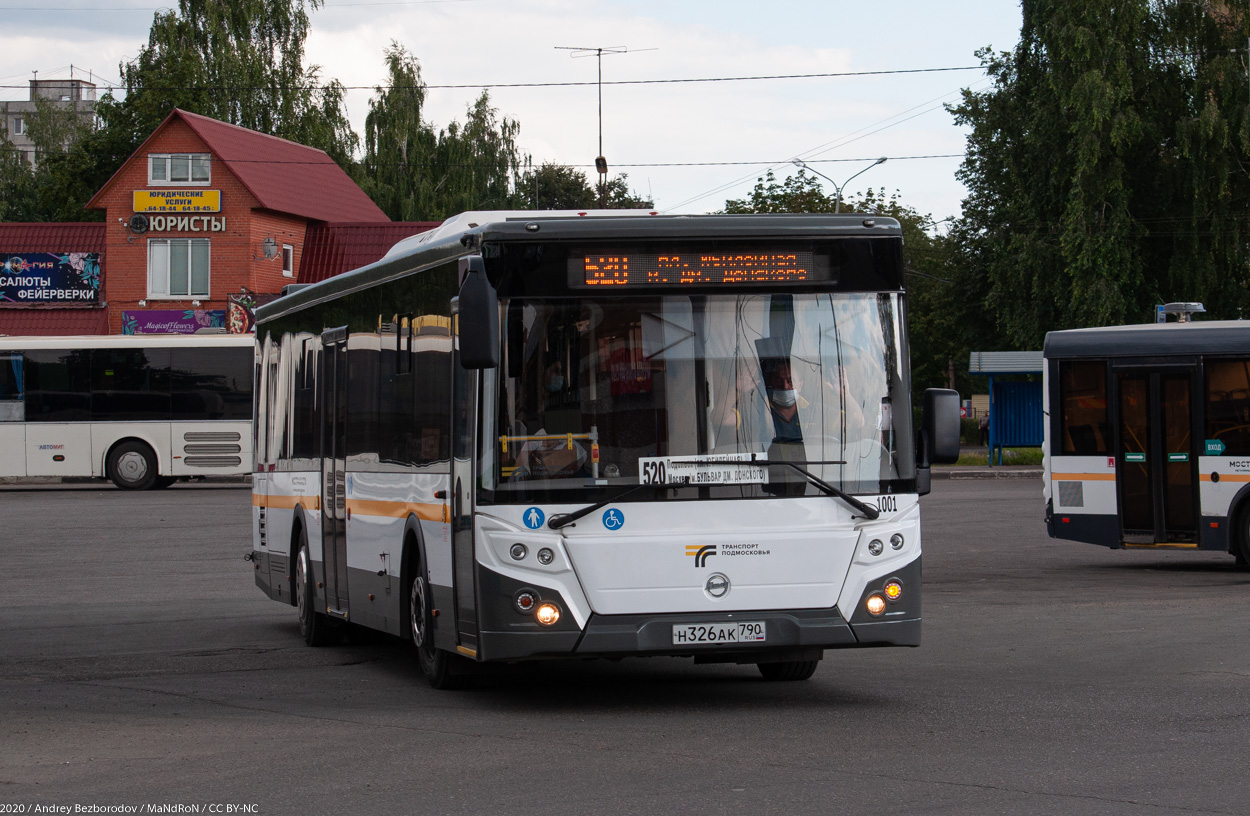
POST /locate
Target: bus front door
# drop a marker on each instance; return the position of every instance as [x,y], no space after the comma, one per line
[1156,461]
[333,398]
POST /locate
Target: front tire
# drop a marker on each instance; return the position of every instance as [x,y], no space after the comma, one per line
[314,626]
[132,466]
[439,667]
[1241,542]
[789,671]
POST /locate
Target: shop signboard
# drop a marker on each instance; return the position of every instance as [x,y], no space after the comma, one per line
[172,321]
[177,201]
[50,277]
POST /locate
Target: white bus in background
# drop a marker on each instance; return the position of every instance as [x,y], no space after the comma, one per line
[526,435]
[142,411]
[1148,436]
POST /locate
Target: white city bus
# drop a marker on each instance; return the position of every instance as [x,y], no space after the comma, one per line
[1148,436]
[524,436]
[141,410]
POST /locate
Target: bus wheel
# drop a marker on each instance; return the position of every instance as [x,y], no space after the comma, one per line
[1241,546]
[438,666]
[790,670]
[313,625]
[132,466]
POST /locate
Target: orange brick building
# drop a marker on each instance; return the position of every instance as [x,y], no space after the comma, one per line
[203,221]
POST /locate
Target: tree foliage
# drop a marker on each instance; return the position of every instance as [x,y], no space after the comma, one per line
[557,187]
[415,172]
[241,62]
[1106,166]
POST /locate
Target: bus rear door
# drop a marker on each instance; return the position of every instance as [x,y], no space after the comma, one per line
[1156,455]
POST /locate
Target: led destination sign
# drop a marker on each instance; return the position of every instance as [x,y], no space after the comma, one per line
[695,267]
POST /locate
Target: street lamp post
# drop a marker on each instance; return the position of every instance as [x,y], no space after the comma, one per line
[837,201]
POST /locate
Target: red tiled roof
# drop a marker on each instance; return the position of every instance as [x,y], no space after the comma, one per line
[332,249]
[284,176]
[22,322]
[56,237]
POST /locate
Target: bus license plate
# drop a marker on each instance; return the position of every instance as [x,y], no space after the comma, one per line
[686,634]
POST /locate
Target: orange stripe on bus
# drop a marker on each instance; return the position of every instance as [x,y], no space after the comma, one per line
[394,509]
[286,502]
[1083,477]
[1226,477]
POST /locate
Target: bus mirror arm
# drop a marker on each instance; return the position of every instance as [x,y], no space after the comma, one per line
[478,316]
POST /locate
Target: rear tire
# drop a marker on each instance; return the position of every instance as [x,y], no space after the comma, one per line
[441,669]
[1241,537]
[132,466]
[789,671]
[314,626]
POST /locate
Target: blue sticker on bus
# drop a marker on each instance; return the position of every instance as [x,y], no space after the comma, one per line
[613,519]
[534,518]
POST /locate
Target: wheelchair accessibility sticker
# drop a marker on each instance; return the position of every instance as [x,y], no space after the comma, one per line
[613,519]
[534,518]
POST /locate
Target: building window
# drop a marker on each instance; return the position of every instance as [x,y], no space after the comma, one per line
[19,126]
[288,260]
[178,267]
[179,168]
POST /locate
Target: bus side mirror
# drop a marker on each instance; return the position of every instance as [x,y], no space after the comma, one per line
[478,328]
[940,427]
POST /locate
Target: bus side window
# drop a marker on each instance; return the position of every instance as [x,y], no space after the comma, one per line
[1083,406]
[12,400]
[1228,404]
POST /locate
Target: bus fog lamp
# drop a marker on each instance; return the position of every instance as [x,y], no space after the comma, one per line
[893,589]
[546,556]
[896,541]
[548,614]
[518,551]
[525,601]
[875,604]
[875,546]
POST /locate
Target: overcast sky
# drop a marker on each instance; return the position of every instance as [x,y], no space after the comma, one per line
[840,125]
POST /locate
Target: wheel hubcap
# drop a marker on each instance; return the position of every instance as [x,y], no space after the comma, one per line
[301,577]
[417,612]
[132,466]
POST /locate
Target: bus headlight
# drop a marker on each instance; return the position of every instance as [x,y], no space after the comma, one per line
[896,541]
[875,547]
[875,604]
[548,614]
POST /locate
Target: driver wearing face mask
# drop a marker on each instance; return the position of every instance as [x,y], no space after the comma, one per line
[783,401]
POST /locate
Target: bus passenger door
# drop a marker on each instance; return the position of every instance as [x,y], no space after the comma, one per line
[463,403]
[333,396]
[1156,458]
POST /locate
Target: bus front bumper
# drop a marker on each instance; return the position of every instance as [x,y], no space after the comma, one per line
[790,634]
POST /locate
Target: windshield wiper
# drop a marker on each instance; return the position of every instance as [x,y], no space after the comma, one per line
[867,510]
[556,522]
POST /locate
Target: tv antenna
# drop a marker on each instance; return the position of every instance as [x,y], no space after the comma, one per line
[576,52]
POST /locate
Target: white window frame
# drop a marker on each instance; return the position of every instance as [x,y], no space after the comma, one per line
[288,261]
[19,126]
[166,161]
[158,266]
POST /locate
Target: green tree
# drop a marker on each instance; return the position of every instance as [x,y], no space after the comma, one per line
[414,172]
[799,193]
[1105,166]
[557,187]
[241,62]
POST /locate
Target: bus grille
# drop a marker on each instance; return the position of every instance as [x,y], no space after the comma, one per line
[1071,494]
[212,461]
[211,436]
[210,450]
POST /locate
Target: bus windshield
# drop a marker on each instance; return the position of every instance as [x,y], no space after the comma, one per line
[592,392]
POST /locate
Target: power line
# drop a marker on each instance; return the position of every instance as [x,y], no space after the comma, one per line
[488,85]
